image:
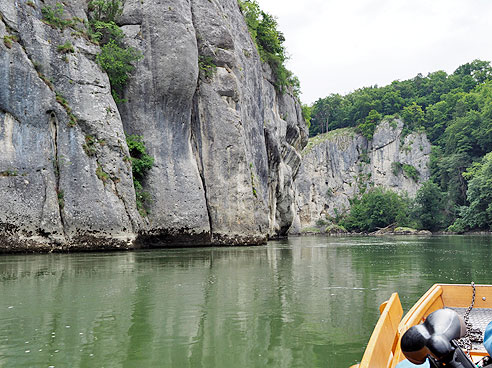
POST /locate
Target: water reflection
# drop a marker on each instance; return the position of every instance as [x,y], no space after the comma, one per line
[303,302]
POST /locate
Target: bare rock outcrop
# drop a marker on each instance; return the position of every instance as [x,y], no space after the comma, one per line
[341,164]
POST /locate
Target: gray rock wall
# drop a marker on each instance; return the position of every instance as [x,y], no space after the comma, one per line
[338,165]
[54,192]
[226,148]
[215,178]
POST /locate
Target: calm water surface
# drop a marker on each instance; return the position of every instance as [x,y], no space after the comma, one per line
[302,302]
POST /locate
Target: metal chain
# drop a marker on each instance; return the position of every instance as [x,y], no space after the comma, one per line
[472,334]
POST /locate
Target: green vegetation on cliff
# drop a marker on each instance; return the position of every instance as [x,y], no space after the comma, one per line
[269,42]
[320,138]
[455,111]
[115,58]
[54,16]
[141,164]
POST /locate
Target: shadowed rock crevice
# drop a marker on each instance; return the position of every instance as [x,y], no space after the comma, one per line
[53,125]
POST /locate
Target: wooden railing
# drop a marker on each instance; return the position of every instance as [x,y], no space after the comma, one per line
[381,347]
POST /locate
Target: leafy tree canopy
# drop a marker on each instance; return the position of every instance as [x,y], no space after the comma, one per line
[412,99]
[377,209]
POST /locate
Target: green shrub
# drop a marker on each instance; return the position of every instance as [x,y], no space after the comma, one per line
[377,208]
[72,120]
[141,161]
[206,66]
[141,164]
[102,32]
[53,16]
[7,42]
[306,114]
[67,47]
[105,10]
[117,61]
[369,126]
[253,180]
[90,145]
[411,172]
[8,39]
[101,174]
[115,58]
[269,42]
[61,198]
[62,101]
[9,173]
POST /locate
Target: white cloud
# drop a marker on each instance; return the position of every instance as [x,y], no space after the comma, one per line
[337,46]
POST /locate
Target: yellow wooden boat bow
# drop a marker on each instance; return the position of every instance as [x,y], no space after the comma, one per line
[383,349]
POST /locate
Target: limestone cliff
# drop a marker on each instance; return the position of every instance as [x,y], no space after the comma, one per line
[338,165]
[226,147]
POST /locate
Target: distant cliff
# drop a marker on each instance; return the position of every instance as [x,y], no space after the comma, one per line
[226,147]
[341,164]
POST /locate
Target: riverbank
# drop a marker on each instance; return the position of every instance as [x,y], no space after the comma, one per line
[92,244]
[335,230]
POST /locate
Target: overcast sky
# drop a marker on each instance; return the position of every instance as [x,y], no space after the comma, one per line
[336,46]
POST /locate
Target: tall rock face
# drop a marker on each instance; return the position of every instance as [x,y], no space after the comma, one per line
[213,121]
[339,165]
[226,144]
[63,178]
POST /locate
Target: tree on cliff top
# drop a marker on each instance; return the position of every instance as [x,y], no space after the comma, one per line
[269,42]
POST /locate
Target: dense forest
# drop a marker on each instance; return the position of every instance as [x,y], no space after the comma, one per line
[455,111]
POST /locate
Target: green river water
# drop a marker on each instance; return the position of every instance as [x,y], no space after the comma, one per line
[301,302]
